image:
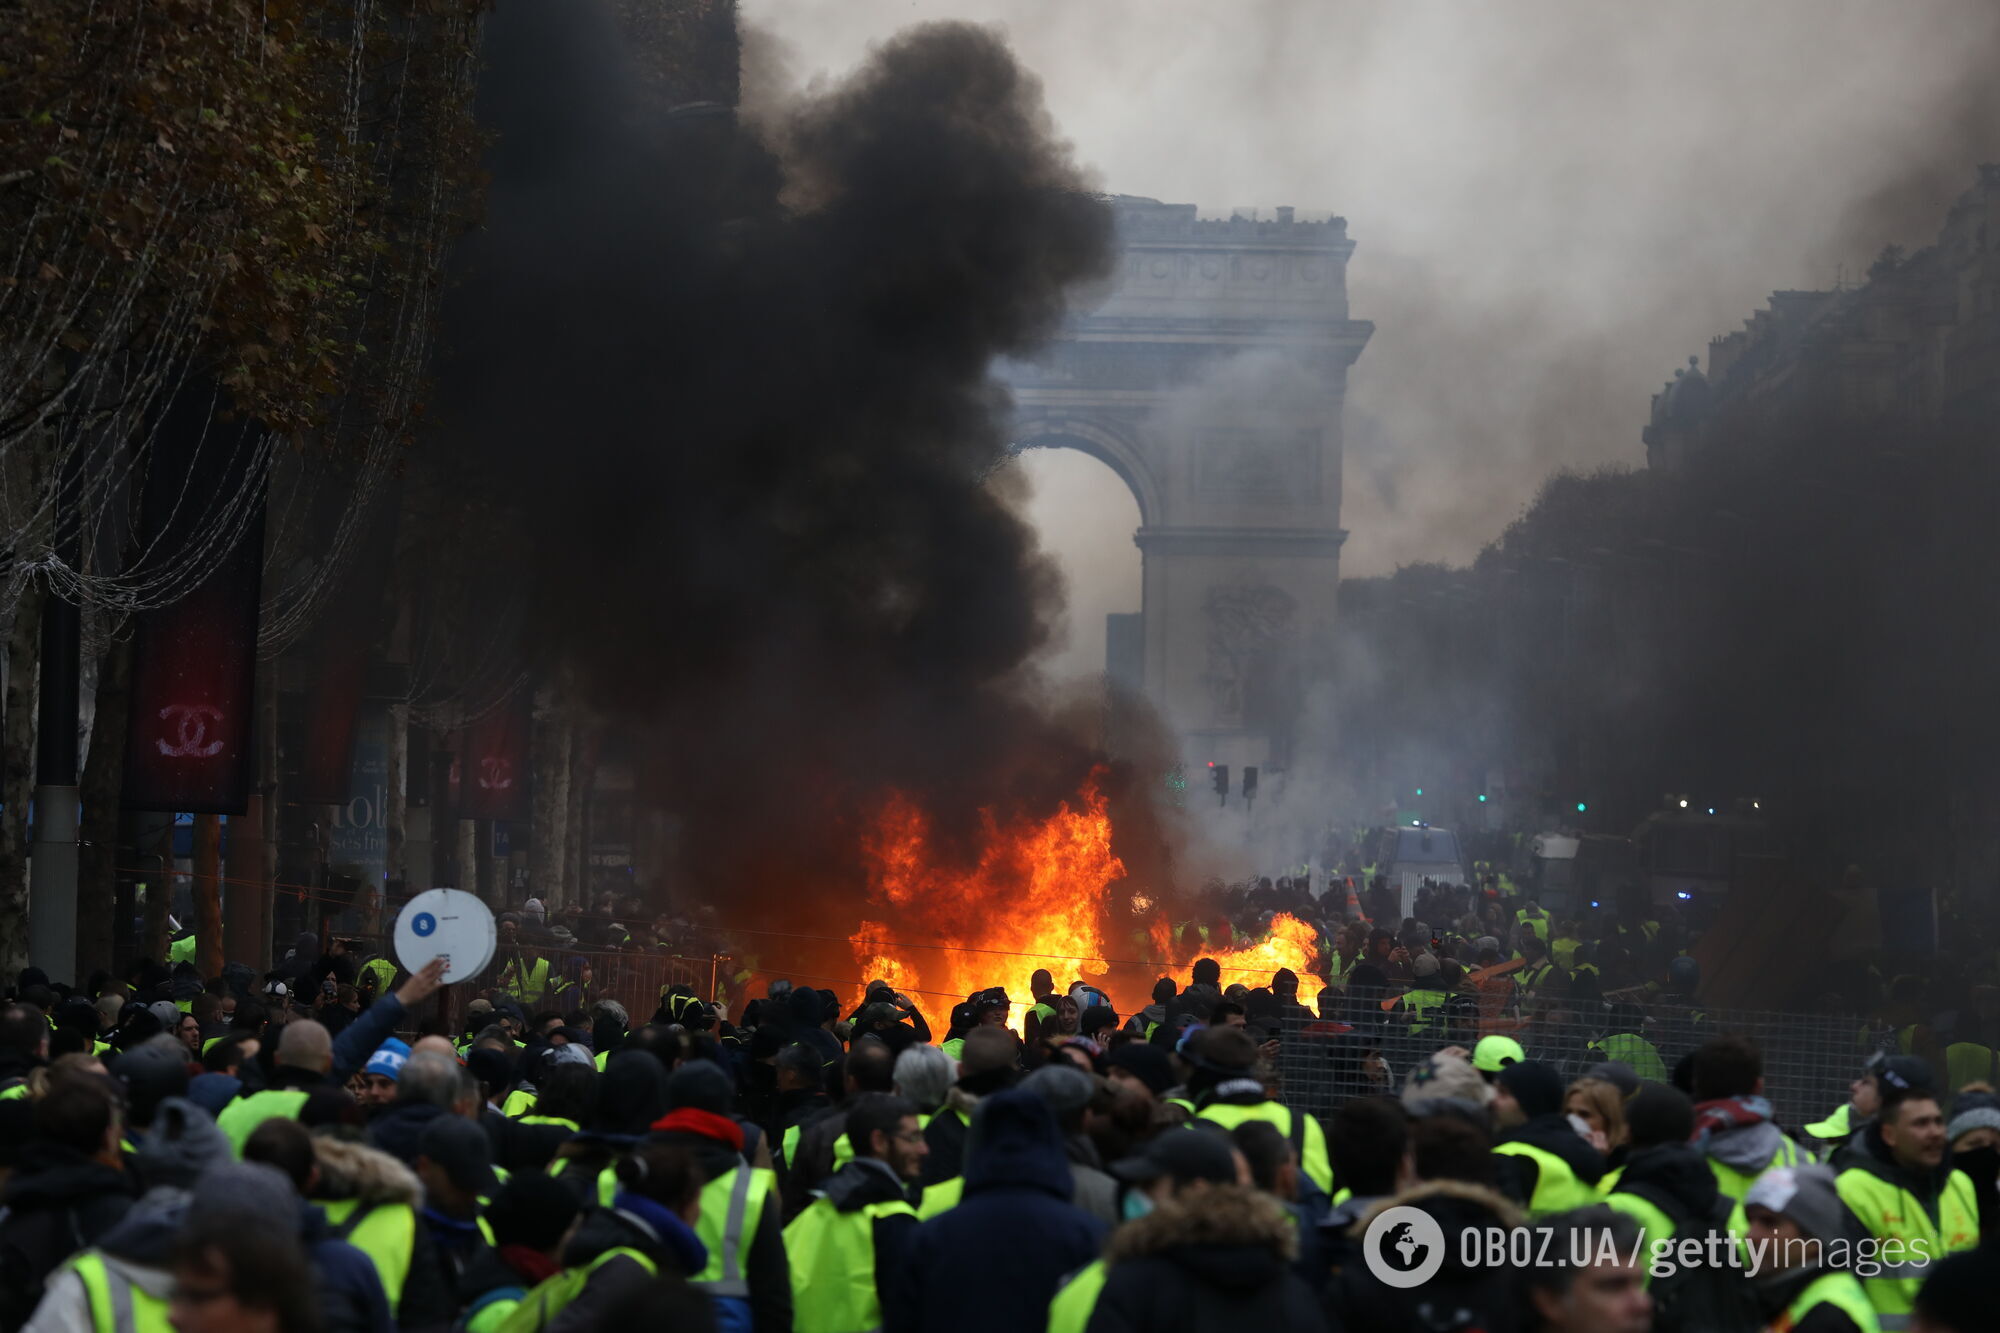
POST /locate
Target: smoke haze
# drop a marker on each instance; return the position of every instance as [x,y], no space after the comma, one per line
[738,384]
[1556,202]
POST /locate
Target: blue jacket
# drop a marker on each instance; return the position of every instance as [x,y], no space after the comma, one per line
[1017,1192]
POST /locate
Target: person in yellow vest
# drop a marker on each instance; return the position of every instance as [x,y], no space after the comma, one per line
[1796,1217]
[237,1271]
[1538,976]
[1228,1091]
[369,1201]
[647,1232]
[1864,1098]
[1041,1008]
[1549,1167]
[1531,917]
[304,1059]
[847,1250]
[1569,938]
[1427,995]
[532,1219]
[1623,1041]
[1733,1127]
[1174,1165]
[747,1275]
[1901,1186]
[1665,1186]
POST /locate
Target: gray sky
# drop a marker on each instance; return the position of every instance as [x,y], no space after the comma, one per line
[1556,202]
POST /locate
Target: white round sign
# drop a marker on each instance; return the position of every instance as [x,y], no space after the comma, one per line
[445,923]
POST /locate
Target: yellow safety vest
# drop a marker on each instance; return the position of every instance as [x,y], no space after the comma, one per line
[116,1304]
[1652,1220]
[382,1231]
[1891,1212]
[832,1257]
[1074,1303]
[1313,1158]
[940,1198]
[1419,1004]
[539,1307]
[732,1205]
[1564,948]
[1838,1288]
[522,989]
[1557,1188]
[1736,1184]
[607,1179]
[239,1119]
[519,1102]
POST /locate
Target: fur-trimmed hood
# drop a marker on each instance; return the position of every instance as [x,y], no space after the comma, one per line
[1229,1236]
[1474,1197]
[1457,1205]
[356,1171]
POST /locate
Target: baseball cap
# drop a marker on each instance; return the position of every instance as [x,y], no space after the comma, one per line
[461,1148]
[1494,1053]
[1183,1154]
[389,1059]
[1903,1073]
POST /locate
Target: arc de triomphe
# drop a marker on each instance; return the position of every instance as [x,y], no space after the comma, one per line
[1210,376]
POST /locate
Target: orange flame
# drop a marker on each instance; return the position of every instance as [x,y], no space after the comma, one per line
[1041,896]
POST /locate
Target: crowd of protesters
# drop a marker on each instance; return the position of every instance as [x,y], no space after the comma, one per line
[314,1150]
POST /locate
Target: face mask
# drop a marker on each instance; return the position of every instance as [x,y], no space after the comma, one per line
[1137,1205]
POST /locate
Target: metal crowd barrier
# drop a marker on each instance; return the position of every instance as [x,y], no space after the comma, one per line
[1809,1059]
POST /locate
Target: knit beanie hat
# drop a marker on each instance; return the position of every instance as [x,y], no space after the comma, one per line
[1536,1086]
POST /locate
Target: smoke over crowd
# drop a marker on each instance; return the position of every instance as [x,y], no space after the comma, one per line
[1556,203]
[737,383]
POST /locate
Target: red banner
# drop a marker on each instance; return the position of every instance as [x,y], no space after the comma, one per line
[493,766]
[193,685]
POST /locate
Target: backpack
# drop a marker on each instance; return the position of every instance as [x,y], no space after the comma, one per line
[1703,1297]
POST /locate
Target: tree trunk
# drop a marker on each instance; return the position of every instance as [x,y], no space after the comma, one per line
[548,841]
[97,926]
[395,809]
[208,895]
[17,776]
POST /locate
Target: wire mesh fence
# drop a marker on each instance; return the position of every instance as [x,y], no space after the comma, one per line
[1809,1058]
[565,980]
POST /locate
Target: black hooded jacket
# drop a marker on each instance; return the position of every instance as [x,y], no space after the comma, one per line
[1221,1260]
[1673,1177]
[1553,1133]
[1017,1183]
[1359,1302]
[58,1202]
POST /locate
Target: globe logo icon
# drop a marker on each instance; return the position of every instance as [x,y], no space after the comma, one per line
[1404,1247]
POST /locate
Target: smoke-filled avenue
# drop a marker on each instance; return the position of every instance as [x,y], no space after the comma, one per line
[584,748]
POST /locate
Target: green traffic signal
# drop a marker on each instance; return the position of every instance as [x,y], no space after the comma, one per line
[1581,807]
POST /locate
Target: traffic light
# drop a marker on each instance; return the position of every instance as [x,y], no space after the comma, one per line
[1220,774]
[1249,781]
[1581,807]
[1420,791]
[1482,798]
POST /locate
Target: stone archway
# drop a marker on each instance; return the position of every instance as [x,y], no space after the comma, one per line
[1210,375]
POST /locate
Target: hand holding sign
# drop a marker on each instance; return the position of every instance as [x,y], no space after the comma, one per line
[445,934]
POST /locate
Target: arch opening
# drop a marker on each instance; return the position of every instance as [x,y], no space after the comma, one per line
[1084,512]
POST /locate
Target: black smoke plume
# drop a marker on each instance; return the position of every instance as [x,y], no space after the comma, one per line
[735,384]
